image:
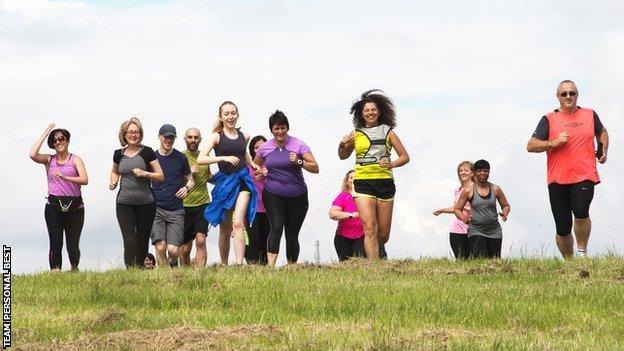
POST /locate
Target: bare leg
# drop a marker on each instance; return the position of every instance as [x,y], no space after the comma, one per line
[384,220]
[367,207]
[174,252]
[582,229]
[201,253]
[272,259]
[565,243]
[238,225]
[225,232]
[185,254]
[161,253]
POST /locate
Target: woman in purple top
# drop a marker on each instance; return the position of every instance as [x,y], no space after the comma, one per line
[349,239]
[285,194]
[64,211]
[258,231]
[458,236]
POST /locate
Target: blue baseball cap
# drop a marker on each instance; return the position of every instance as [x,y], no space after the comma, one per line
[167,130]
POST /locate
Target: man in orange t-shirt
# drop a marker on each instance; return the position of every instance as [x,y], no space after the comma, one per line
[567,135]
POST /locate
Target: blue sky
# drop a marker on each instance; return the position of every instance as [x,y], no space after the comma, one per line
[470,80]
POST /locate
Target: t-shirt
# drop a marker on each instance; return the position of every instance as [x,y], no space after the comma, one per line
[175,167]
[349,227]
[134,190]
[574,161]
[459,227]
[199,194]
[259,188]
[284,178]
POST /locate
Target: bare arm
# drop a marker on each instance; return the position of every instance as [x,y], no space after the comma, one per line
[502,201]
[204,157]
[82,177]
[309,163]
[114,177]
[604,139]
[537,145]
[336,213]
[183,191]
[400,150]
[450,209]
[248,158]
[346,146]
[156,175]
[461,203]
[34,150]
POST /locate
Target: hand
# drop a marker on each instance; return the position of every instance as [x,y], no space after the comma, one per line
[112,185]
[182,192]
[347,140]
[193,169]
[503,216]
[384,162]
[59,175]
[139,172]
[261,174]
[355,214]
[231,159]
[50,127]
[561,139]
[293,158]
[466,219]
[437,212]
[603,159]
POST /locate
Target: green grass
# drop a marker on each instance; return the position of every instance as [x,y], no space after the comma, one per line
[424,304]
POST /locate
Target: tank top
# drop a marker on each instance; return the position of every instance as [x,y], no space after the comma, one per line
[371,144]
[231,147]
[484,220]
[62,187]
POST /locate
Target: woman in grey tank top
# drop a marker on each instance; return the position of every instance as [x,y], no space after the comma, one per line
[485,234]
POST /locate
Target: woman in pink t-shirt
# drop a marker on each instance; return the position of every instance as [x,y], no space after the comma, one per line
[458,235]
[349,239]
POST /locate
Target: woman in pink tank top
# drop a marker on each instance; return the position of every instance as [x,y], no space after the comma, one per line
[457,236]
[64,210]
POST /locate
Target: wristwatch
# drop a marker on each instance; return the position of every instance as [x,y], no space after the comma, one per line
[300,162]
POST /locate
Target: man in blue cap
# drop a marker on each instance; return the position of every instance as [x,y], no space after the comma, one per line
[168,228]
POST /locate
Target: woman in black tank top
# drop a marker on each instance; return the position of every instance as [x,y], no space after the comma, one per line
[230,146]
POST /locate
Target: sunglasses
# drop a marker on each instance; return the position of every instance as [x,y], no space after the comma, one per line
[566,93]
[59,139]
[133,132]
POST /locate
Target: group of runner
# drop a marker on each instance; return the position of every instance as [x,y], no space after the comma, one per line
[260,193]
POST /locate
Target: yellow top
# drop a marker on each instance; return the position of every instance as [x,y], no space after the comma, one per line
[363,145]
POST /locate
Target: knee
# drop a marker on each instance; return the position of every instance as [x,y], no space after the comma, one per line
[160,246]
[172,250]
[186,249]
[238,225]
[370,230]
[200,241]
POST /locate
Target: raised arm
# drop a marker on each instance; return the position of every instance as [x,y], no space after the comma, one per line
[461,203]
[34,150]
[346,146]
[502,201]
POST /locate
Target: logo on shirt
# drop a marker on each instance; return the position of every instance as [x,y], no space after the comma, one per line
[574,124]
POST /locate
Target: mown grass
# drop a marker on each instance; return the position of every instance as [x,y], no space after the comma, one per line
[519,304]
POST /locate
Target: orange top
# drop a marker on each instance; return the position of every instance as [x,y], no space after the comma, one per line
[574,161]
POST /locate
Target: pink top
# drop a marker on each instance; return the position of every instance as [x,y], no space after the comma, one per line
[349,227]
[259,188]
[62,187]
[459,227]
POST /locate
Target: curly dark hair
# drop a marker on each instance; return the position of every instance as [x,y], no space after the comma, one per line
[387,114]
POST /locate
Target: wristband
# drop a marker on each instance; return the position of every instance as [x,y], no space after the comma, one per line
[300,162]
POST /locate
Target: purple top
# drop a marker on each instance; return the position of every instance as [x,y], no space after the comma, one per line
[259,188]
[284,178]
[62,187]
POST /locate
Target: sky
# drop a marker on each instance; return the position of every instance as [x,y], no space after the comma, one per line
[470,80]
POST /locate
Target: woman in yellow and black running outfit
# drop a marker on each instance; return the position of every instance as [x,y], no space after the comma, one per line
[373,140]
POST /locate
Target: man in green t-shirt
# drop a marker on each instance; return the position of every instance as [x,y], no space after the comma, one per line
[195,225]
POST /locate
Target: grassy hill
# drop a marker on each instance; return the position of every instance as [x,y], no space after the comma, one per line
[436,304]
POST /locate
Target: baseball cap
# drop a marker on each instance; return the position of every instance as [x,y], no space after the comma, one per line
[167,130]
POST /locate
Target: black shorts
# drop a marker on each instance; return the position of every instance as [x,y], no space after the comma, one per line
[380,189]
[568,199]
[194,222]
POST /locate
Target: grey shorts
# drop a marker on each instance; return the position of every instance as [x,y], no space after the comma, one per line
[168,226]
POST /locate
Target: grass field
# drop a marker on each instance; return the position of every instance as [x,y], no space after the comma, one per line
[522,304]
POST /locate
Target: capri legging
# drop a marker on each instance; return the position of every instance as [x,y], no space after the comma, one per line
[285,213]
[567,199]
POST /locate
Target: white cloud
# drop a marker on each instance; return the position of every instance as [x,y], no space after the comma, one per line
[469,81]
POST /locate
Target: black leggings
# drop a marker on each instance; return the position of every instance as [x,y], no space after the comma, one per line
[256,251]
[57,223]
[285,213]
[484,247]
[567,199]
[135,222]
[347,248]
[459,245]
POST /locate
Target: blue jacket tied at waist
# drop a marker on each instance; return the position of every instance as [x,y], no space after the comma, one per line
[225,193]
